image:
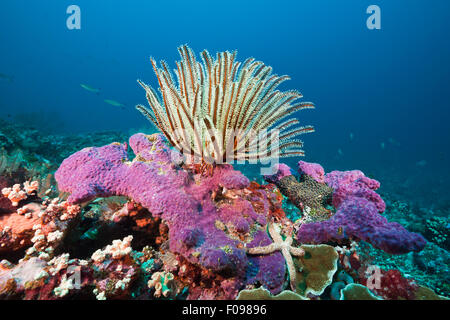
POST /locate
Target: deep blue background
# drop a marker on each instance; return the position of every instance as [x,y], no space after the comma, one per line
[377,84]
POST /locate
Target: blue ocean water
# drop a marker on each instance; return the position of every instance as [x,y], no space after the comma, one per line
[381,95]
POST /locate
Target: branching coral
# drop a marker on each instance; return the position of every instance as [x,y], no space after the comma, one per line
[220,111]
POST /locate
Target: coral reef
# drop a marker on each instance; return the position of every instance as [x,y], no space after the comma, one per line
[358,218]
[315,269]
[264,294]
[438,231]
[310,194]
[285,247]
[357,204]
[313,170]
[355,291]
[354,184]
[211,219]
[40,223]
[155,227]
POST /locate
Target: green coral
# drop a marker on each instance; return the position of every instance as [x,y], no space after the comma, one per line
[315,270]
[438,231]
[354,291]
[264,294]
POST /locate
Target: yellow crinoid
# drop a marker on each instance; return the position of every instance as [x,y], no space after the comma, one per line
[220,110]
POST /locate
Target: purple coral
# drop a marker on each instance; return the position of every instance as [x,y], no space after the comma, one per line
[87,182]
[354,184]
[266,269]
[214,233]
[280,171]
[314,170]
[358,207]
[199,229]
[359,218]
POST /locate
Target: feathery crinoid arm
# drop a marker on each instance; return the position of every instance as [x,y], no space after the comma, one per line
[220,110]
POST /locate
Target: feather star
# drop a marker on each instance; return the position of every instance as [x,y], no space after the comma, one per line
[286,248]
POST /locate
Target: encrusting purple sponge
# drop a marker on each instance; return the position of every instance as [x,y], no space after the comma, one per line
[314,170]
[354,183]
[200,230]
[358,217]
[358,210]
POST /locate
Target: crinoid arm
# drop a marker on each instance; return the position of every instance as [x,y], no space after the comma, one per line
[219,110]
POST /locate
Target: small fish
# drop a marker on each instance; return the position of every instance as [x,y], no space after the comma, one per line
[421,163]
[6,77]
[351,135]
[340,231]
[340,152]
[89,88]
[382,145]
[114,103]
[394,142]
[91,234]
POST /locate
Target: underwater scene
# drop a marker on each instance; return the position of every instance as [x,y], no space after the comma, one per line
[234,150]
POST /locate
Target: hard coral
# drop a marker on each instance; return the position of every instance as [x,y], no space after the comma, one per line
[308,194]
[164,285]
[15,194]
[393,286]
[263,294]
[315,269]
[41,224]
[115,270]
[354,291]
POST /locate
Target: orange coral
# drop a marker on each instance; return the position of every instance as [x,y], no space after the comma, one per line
[30,187]
[15,194]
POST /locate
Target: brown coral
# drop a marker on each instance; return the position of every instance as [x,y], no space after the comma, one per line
[308,195]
